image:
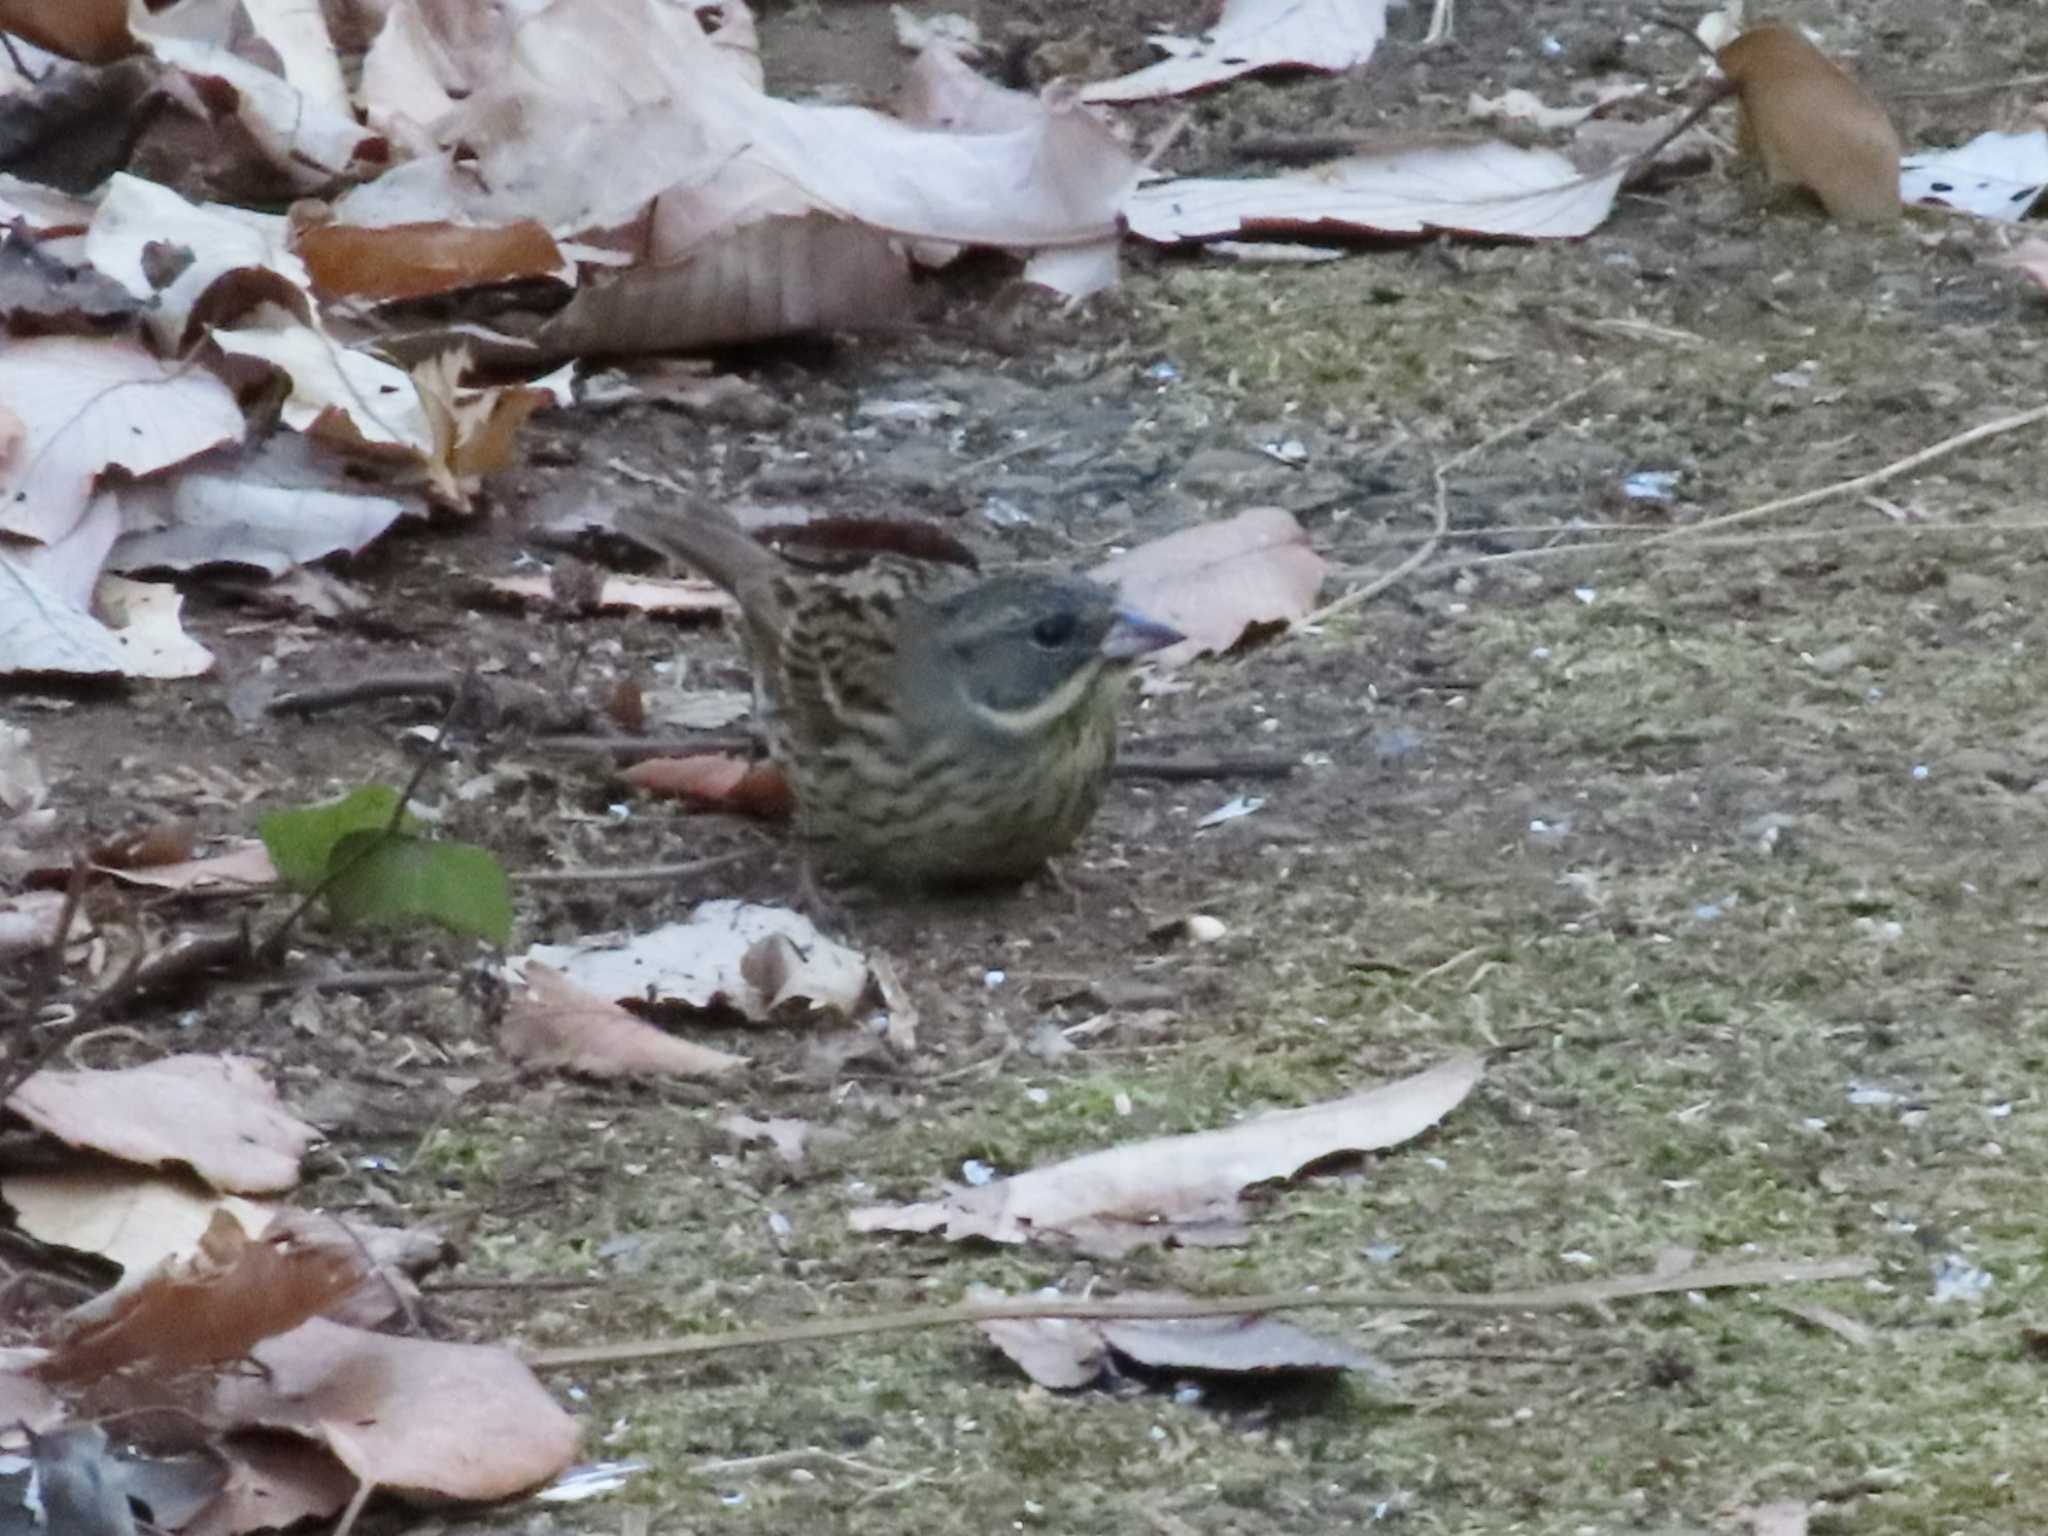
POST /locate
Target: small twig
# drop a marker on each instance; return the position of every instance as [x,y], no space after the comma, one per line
[442,687]
[631,874]
[775,1461]
[1440,474]
[646,477]
[1545,1299]
[1179,769]
[1982,88]
[1855,483]
[644,746]
[52,966]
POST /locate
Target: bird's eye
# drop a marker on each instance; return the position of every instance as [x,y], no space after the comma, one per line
[1053,631]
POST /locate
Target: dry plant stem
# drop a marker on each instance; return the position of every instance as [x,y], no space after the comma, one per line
[272,946]
[1693,533]
[1186,769]
[1982,88]
[626,875]
[440,686]
[1891,471]
[1440,474]
[1712,1277]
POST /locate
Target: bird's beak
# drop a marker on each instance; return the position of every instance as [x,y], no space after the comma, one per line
[1133,635]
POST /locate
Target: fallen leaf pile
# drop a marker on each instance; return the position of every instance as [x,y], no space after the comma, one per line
[212,1279]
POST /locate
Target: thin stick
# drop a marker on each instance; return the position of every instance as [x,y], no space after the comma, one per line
[1184,769]
[1440,474]
[1546,1299]
[631,874]
[1891,471]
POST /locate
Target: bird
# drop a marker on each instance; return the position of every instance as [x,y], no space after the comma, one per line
[938,728]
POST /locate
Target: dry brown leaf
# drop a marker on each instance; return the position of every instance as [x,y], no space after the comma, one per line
[91,31]
[554,1023]
[1249,35]
[1216,581]
[717,780]
[775,277]
[1492,190]
[474,430]
[413,261]
[274,1482]
[1811,125]
[209,1307]
[213,1114]
[1180,1188]
[416,1417]
[392,1258]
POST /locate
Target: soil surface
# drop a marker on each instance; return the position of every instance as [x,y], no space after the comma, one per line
[1732,843]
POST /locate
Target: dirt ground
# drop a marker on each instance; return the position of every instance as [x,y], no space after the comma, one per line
[1738,841]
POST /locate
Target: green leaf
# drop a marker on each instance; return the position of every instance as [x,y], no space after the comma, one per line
[301,841]
[394,879]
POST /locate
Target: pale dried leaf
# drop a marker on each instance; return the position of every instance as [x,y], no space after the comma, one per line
[148,635]
[756,960]
[554,1023]
[1180,1187]
[213,1114]
[94,404]
[239,258]
[1214,581]
[416,1417]
[1325,35]
[1994,176]
[300,129]
[211,1306]
[1492,189]
[244,865]
[134,1218]
[340,394]
[28,919]
[2030,259]
[786,1134]
[236,516]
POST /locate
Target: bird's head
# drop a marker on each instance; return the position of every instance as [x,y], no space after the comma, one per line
[1025,651]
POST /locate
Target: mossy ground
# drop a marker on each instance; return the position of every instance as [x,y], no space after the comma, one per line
[1718,838]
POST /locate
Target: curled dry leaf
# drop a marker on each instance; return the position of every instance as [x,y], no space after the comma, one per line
[1068,1352]
[756,960]
[718,781]
[553,1023]
[1493,190]
[135,1218]
[213,1114]
[1811,125]
[212,1306]
[1180,1188]
[1216,581]
[1326,35]
[273,1483]
[417,1417]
